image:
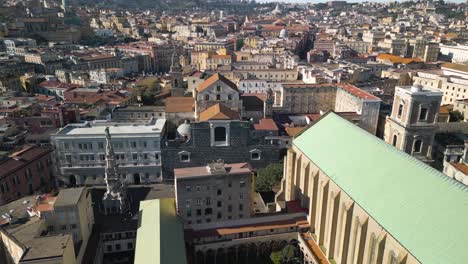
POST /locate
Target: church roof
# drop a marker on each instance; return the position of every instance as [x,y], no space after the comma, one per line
[409,199]
[214,78]
[160,235]
[218,112]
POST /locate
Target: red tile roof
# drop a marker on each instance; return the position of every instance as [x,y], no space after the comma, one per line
[357,92]
[179,104]
[219,112]
[266,124]
[214,78]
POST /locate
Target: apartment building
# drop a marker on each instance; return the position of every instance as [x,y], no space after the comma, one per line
[214,193]
[312,98]
[25,172]
[451,79]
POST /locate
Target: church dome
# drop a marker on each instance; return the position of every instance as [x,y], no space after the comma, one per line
[184,130]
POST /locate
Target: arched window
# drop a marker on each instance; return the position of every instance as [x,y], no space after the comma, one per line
[400,110]
[220,134]
[417,146]
[395,139]
[393,258]
[372,245]
[207,97]
[230,97]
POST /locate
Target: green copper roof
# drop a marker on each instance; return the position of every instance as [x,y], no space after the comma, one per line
[426,211]
[160,235]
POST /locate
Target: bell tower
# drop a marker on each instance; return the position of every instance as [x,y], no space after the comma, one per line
[411,126]
[177,78]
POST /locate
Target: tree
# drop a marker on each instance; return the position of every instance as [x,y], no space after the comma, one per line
[456,116]
[268,177]
[288,255]
[239,43]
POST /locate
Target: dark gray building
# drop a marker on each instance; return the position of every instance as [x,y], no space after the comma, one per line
[233,141]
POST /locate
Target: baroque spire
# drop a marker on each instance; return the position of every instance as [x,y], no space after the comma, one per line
[115,198]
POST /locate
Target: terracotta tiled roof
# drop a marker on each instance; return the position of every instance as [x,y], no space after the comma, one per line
[214,78]
[266,124]
[218,112]
[299,221]
[357,92]
[179,104]
[397,59]
[461,167]
[292,131]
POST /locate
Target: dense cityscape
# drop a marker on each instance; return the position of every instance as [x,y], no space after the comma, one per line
[233,131]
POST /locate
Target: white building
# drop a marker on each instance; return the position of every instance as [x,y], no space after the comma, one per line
[80,151]
[458,54]
[451,79]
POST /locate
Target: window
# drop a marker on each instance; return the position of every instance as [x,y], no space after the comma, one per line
[189,212]
[198,187]
[241,196]
[208,211]
[135,156]
[423,113]
[219,192]
[400,110]
[394,141]
[109,247]
[208,201]
[184,156]
[220,204]
[198,201]
[188,188]
[218,97]
[187,203]
[230,208]
[117,246]
[219,215]
[63,227]
[230,97]
[220,134]
[241,184]
[101,145]
[73,226]
[218,88]
[207,97]
[130,245]
[198,212]
[16,180]
[255,154]
[241,207]
[417,146]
